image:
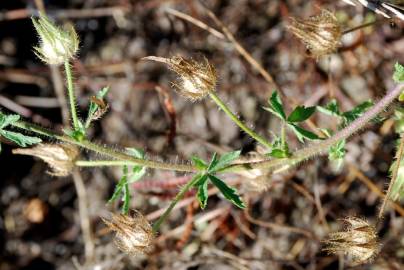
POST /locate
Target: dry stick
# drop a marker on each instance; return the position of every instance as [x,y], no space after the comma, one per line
[394,176]
[278,227]
[196,22]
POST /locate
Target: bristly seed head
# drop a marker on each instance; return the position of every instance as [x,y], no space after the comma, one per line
[133,234]
[321,33]
[59,157]
[196,79]
[57,45]
[358,241]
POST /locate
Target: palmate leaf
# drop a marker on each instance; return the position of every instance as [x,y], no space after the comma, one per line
[302,133]
[228,192]
[20,139]
[300,114]
[6,120]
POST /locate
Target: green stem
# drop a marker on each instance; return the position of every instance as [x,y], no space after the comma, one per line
[72,97]
[270,164]
[237,121]
[177,198]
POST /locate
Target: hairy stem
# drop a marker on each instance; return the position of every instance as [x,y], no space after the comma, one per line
[399,157]
[271,164]
[237,121]
[177,198]
[72,97]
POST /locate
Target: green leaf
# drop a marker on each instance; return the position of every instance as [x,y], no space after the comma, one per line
[202,194]
[134,152]
[122,189]
[300,114]
[118,189]
[302,133]
[137,171]
[356,112]
[331,108]
[275,106]
[20,139]
[398,75]
[6,120]
[213,162]
[126,199]
[228,192]
[279,149]
[224,160]
[199,163]
[337,151]
[77,135]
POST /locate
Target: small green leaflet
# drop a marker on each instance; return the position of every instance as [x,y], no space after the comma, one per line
[275,106]
[224,160]
[202,194]
[228,192]
[122,188]
[332,109]
[299,114]
[398,77]
[207,174]
[356,112]
[337,151]
[18,138]
[279,149]
[302,133]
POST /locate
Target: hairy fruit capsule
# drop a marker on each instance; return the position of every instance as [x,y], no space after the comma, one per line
[196,79]
[56,45]
[321,33]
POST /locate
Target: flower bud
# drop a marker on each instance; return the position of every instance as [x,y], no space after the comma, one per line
[56,45]
[196,79]
[321,34]
[133,234]
[358,241]
[59,157]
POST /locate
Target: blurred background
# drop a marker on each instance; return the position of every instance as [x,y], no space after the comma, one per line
[41,223]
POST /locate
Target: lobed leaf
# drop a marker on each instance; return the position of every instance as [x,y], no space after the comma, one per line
[20,139]
[6,120]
